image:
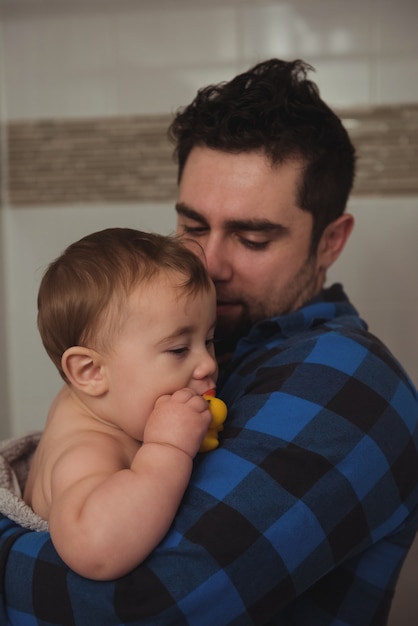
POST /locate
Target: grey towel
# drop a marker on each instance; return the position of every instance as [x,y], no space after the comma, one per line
[15,458]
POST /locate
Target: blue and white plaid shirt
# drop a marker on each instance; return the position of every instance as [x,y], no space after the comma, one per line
[302,516]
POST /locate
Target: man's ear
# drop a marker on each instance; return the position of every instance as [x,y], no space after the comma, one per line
[84,370]
[333,240]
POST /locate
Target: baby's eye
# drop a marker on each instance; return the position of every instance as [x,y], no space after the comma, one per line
[210,346]
[179,351]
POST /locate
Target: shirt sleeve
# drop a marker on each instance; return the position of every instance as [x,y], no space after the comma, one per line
[317,468]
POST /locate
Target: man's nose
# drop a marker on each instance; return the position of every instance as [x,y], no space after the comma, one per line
[217,258]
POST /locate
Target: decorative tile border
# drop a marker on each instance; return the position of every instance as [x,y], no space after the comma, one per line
[90,160]
[386,141]
[129,159]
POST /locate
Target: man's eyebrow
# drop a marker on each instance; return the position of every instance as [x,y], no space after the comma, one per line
[185,211]
[255,225]
[248,225]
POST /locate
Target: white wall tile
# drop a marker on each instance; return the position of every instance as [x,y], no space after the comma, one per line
[343,82]
[267,31]
[396,25]
[175,38]
[58,67]
[163,58]
[164,90]
[332,27]
[396,79]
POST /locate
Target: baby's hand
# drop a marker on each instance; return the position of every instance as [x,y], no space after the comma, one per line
[180,420]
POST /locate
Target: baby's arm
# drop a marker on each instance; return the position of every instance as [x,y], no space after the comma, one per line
[105,520]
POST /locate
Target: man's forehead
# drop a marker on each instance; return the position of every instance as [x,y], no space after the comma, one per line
[219,187]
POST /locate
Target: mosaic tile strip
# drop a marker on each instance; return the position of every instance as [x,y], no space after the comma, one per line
[129,159]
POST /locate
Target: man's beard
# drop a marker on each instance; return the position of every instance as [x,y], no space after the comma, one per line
[306,284]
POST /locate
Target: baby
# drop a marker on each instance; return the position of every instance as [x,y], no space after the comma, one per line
[128,318]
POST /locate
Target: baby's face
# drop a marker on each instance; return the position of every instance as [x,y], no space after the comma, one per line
[165,344]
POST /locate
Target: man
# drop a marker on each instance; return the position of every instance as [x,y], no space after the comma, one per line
[307,509]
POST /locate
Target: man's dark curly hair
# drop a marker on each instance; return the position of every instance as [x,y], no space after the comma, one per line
[275,109]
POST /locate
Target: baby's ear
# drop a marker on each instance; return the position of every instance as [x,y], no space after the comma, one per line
[84,369]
